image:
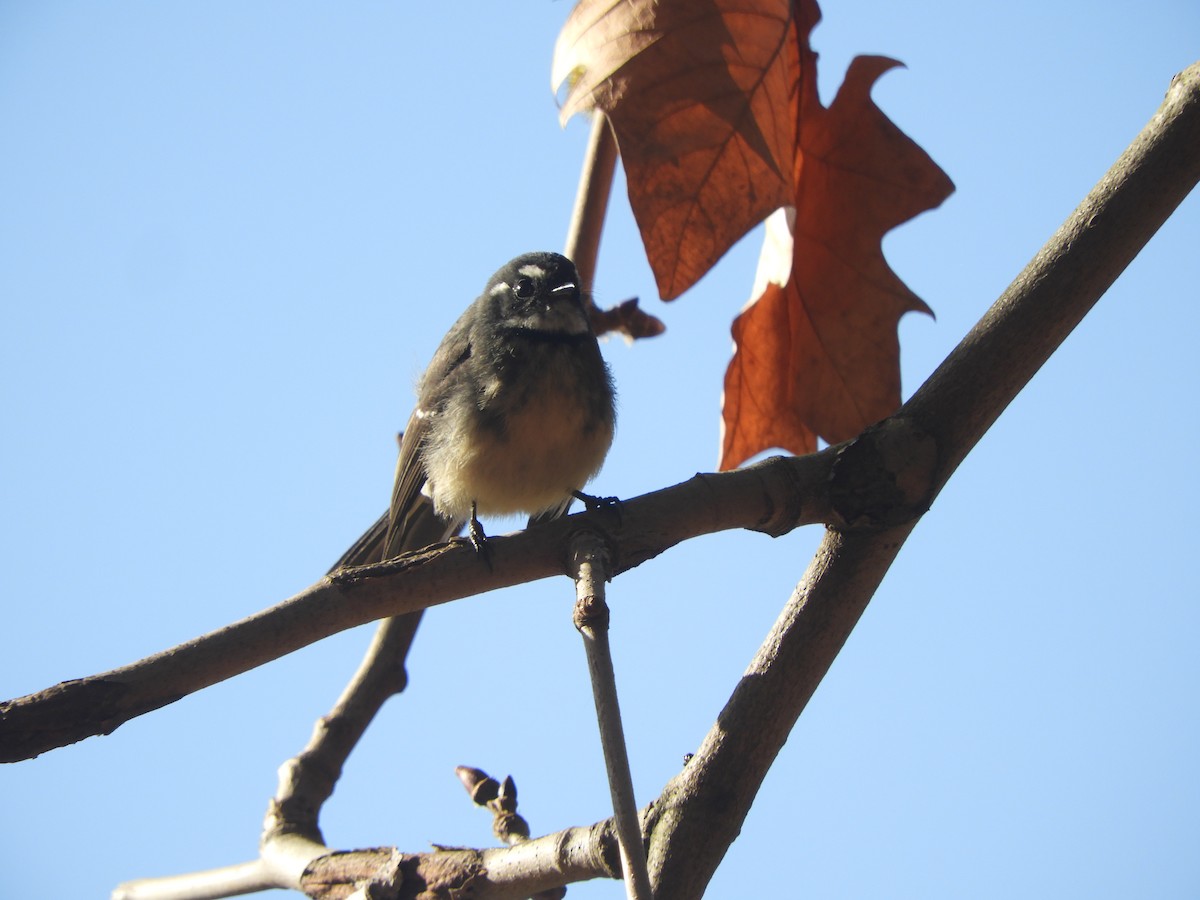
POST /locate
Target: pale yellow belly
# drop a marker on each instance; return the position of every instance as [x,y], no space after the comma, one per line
[545,452]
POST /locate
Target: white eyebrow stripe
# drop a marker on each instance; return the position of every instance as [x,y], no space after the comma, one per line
[532,271]
[499,288]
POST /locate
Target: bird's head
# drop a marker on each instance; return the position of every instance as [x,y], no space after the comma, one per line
[539,292]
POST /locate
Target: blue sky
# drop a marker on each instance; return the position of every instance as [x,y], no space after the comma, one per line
[231,235]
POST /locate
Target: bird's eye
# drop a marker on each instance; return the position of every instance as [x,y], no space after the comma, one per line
[524,288]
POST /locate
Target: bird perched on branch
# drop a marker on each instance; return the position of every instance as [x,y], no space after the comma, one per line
[515,413]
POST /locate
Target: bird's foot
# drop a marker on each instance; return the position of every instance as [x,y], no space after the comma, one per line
[595,504]
[478,539]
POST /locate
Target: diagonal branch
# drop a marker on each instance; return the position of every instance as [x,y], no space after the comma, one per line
[999,356]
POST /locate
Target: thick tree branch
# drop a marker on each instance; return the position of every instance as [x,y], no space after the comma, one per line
[513,873]
[700,812]
[526,869]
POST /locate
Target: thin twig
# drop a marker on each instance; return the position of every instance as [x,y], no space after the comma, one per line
[280,865]
[589,561]
[228,881]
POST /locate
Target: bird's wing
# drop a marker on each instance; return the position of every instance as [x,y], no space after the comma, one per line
[409,506]
[406,490]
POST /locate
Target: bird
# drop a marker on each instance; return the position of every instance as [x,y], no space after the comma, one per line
[515,413]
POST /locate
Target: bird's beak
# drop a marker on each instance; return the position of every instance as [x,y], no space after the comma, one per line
[565,286]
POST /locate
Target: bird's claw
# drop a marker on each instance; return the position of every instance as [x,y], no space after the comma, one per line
[595,504]
[478,539]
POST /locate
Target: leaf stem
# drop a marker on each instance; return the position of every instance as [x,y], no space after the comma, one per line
[591,201]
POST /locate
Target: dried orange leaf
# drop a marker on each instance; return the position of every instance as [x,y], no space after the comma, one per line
[819,356]
[698,93]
